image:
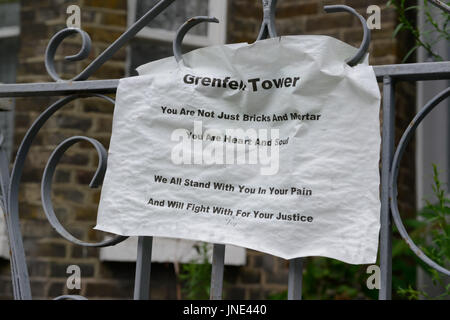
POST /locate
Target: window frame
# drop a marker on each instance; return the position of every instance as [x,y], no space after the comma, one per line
[216,31]
[9,32]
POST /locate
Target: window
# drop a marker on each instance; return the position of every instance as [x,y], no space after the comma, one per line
[155,41]
[168,250]
[152,43]
[9,43]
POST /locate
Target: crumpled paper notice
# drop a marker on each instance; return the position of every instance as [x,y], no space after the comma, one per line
[272,146]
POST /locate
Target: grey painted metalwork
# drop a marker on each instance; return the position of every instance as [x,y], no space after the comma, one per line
[54,44]
[295,279]
[218,261]
[184,29]
[78,89]
[414,71]
[441,5]
[268,29]
[363,49]
[143,268]
[58,88]
[109,52]
[407,135]
[46,188]
[20,279]
[218,265]
[386,159]
[409,72]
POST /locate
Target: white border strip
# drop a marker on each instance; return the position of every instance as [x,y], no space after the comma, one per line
[9,32]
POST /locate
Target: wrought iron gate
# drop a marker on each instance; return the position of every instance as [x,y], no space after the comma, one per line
[79,87]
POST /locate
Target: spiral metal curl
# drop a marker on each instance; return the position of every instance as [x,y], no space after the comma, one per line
[181,32]
[53,46]
[10,184]
[11,200]
[105,55]
[46,188]
[21,283]
[364,48]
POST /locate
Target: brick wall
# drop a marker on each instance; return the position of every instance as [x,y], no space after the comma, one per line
[48,254]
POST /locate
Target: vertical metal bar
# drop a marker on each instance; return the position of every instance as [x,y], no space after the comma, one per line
[143,268]
[268,28]
[295,279]
[386,162]
[218,262]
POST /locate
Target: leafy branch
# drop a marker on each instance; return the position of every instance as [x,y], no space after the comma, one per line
[196,276]
[432,234]
[421,37]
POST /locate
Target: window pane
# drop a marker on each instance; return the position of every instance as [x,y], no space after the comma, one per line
[9,13]
[8,59]
[176,14]
[8,63]
[144,51]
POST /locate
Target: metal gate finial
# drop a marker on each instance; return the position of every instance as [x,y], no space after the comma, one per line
[268,29]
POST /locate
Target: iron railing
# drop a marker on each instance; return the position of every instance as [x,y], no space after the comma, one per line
[79,87]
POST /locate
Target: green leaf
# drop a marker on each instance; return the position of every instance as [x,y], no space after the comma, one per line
[412,8]
[398,29]
[410,52]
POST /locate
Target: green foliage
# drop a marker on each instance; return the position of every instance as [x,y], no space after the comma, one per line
[432,235]
[283,295]
[196,277]
[420,36]
[329,279]
[325,278]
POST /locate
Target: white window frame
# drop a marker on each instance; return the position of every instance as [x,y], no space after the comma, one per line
[170,250]
[216,32]
[9,32]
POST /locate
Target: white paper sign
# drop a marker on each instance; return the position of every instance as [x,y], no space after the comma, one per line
[273,146]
